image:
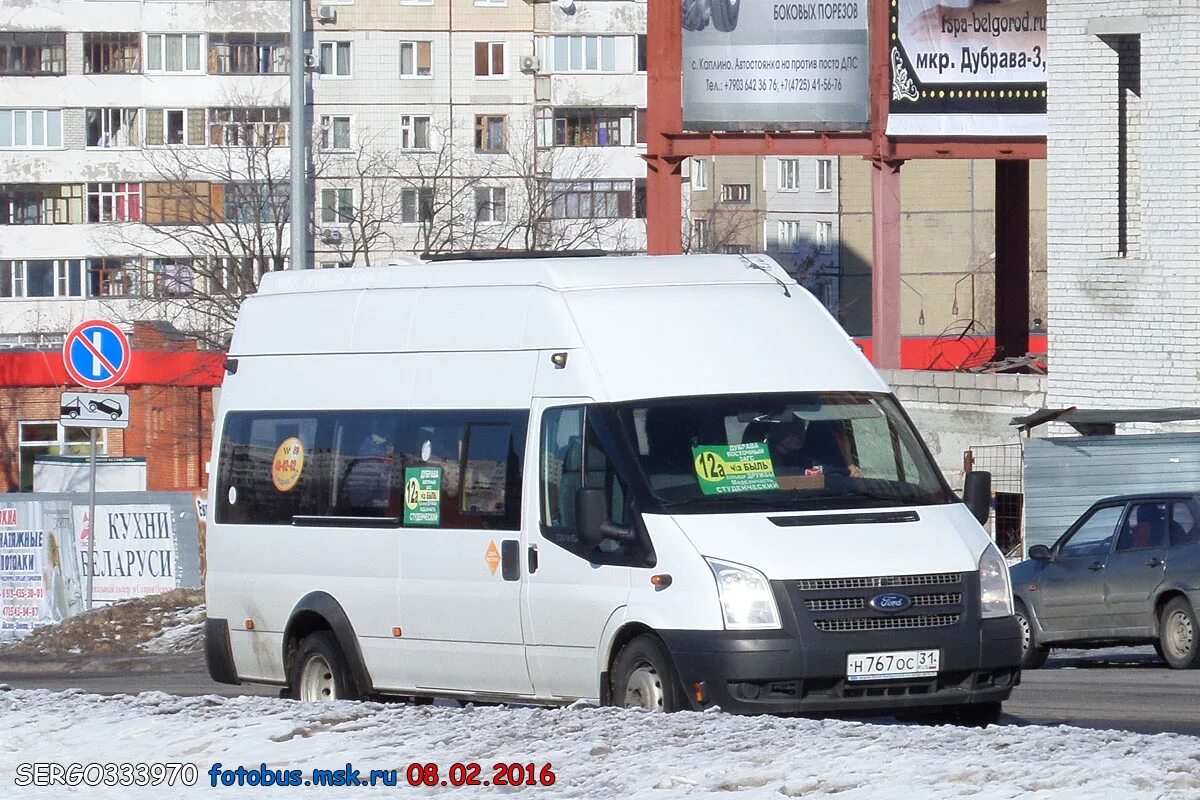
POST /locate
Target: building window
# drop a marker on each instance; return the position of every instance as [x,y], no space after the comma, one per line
[416,59]
[248,127]
[32,53]
[593,127]
[335,133]
[641,52]
[337,205]
[248,53]
[416,205]
[237,277]
[791,236]
[112,53]
[491,204]
[173,52]
[110,277]
[182,203]
[29,128]
[52,439]
[700,174]
[335,59]
[171,277]
[824,175]
[414,133]
[789,174]
[113,127]
[641,125]
[489,59]
[699,234]
[41,278]
[492,3]
[491,134]
[41,203]
[114,202]
[591,199]
[175,126]
[589,53]
[249,203]
[825,236]
[735,193]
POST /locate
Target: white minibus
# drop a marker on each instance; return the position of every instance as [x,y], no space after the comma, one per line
[660,482]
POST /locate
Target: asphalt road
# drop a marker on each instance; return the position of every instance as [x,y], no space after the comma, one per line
[1127,689]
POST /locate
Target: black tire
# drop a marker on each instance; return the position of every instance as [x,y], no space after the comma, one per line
[695,15]
[1179,635]
[644,677]
[1033,655]
[725,14]
[338,681]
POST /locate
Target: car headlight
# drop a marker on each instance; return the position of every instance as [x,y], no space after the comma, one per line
[995,587]
[746,599]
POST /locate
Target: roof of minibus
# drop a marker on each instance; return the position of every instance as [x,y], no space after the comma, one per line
[557,274]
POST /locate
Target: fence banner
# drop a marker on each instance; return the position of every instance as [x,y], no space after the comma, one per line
[135,550]
[39,578]
[968,68]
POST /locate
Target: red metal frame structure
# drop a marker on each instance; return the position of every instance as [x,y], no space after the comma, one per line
[668,145]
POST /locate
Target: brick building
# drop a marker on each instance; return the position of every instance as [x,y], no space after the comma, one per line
[170,384]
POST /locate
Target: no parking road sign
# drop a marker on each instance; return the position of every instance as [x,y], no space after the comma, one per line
[96,354]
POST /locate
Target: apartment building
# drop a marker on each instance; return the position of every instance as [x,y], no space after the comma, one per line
[135,138]
[445,125]
[787,207]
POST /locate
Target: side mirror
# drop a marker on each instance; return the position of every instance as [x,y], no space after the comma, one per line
[977,495]
[1039,552]
[591,518]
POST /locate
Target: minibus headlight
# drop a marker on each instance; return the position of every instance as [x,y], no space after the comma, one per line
[746,599]
[995,589]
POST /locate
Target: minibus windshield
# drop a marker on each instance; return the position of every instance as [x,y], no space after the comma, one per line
[798,451]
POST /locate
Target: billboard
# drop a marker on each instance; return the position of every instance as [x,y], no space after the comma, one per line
[967,68]
[39,581]
[134,553]
[762,65]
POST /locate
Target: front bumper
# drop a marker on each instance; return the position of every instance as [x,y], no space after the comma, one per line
[801,669]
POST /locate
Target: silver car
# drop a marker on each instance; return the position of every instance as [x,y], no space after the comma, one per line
[1127,572]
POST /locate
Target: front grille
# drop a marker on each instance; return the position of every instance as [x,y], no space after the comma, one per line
[837,604]
[827,584]
[886,623]
[943,599]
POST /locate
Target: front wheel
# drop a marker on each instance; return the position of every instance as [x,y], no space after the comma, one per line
[1178,635]
[320,672]
[1033,655]
[644,677]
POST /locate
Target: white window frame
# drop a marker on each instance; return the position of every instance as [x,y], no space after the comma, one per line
[187,142]
[333,45]
[789,235]
[824,174]
[727,196]
[18,269]
[418,191]
[491,3]
[547,47]
[201,50]
[416,45]
[49,117]
[59,443]
[492,44]
[699,234]
[337,190]
[788,175]
[131,119]
[325,139]
[408,132]
[491,204]
[110,197]
[700,174]
[825,236]
[416,2]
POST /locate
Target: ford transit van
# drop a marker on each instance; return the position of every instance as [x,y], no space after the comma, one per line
[663,482]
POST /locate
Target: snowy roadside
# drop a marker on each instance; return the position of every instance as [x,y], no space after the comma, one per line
[595,753]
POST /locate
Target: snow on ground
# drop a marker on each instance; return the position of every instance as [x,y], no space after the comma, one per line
[183,632]
[595,753]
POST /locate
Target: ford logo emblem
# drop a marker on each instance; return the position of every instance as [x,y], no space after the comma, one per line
[891,603]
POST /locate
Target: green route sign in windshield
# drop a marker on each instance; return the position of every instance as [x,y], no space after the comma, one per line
[726,469]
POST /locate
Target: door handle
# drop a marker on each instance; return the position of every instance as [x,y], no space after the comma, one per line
[510,560]
[532,556]
[1154,562]
[1096,567]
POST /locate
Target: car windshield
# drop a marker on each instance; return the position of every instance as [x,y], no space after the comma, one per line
[797,451]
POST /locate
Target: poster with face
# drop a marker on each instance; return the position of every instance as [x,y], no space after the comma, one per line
[968,68]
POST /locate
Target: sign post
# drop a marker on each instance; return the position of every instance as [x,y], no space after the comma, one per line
[96,355]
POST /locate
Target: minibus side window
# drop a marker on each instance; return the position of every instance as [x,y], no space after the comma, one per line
[366,465]
[273,467]
[574,458]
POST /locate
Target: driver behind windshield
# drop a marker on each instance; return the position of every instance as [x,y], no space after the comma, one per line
[813,448]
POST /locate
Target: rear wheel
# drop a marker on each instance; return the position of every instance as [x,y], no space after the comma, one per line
[320,672]
[725,14]
[1179,635]
[1033,655]
[644,677]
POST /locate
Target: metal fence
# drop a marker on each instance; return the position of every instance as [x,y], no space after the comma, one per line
[1006,463]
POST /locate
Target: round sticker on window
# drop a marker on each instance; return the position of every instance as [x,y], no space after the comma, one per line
[426,450]
[232,495]
[288,464]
